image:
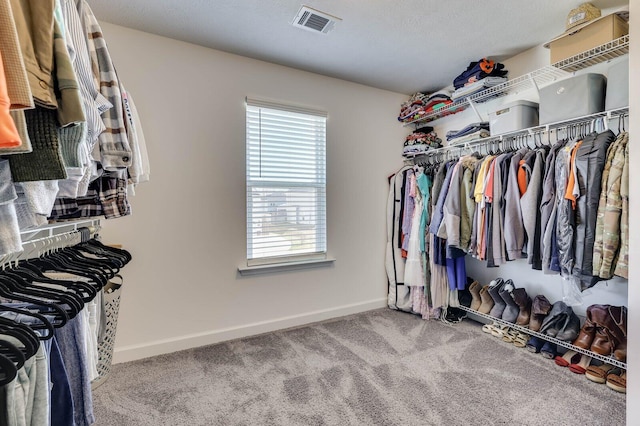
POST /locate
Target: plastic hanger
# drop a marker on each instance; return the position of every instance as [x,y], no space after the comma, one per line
[83,289]
[44,322]
[18,286]
[48,307]
[26,336]
[12,352]
[8,370]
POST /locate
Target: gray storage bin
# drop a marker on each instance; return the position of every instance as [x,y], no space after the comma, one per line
[513,116]
[618,85]
[573,97]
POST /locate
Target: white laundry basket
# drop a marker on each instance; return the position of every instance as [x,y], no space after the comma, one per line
[111,296]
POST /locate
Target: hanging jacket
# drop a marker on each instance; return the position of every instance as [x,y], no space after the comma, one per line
[530,203]
[610,218]
[513,226]
[467,204]
[398,294]
[564,212]
[622,264]
[548,207]
[590,159]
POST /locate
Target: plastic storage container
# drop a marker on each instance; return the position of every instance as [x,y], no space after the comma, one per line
[618,85]
[513,116]
[573,97]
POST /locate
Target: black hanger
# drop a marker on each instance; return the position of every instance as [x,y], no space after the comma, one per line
[8,370]
[20,286]
[85,290]
[43,324]
[12,352]
[26,336]
[48,307]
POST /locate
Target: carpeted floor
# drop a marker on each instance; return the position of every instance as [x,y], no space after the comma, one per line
[376,368]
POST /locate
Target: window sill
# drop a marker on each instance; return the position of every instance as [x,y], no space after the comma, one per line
[281,267]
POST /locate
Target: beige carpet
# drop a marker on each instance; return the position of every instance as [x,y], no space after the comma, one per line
[376,368]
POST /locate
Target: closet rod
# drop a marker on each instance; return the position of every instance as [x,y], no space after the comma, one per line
[531,131]
[57,240]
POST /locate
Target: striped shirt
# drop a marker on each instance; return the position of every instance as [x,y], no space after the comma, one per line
[115,152]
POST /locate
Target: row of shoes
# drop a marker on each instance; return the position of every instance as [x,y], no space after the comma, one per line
[613,377]
[501,299]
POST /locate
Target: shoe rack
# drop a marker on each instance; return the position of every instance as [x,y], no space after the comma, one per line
[484,317]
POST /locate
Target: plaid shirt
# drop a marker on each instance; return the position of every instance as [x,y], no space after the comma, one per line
[115,152]
[107,196]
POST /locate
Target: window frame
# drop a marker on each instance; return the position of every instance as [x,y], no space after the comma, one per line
[257,264]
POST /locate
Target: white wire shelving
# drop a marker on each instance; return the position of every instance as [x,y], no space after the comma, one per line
[531,131]
[535,79]
[568,345]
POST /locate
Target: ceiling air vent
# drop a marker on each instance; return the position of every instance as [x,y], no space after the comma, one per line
[314,20]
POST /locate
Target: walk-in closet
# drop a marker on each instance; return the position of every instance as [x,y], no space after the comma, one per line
[319,213]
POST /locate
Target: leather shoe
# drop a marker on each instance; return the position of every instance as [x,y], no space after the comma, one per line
[524,304]
[587,332]
[540,308]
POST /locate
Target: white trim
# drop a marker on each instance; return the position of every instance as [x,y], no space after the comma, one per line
[158,347]
[264,103]
[263,265]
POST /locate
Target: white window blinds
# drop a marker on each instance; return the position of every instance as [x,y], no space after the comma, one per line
[286,183]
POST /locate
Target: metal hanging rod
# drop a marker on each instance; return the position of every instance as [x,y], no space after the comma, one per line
[50,238]
[536,131]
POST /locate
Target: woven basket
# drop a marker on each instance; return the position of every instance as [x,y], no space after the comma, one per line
[112,293]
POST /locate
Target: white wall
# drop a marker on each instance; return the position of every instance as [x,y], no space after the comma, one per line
[633,332]
[187,231]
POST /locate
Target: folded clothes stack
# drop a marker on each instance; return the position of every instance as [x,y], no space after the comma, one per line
[477,77]
[470,132]
[421,141]
[478,86]
[422,104]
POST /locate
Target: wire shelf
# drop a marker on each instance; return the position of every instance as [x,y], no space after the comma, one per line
[540,77]
[606,359]
[597,55]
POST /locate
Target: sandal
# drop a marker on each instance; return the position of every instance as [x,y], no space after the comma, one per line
[500,330]
[569,357]
[617,382]
[581,366]
[599,373]
[510,335]
[520,341]
[488,328]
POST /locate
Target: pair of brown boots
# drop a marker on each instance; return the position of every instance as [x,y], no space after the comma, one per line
[605,331]
[520,302]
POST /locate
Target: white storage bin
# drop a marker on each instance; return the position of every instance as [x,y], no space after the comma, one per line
[618,85]
[513,116]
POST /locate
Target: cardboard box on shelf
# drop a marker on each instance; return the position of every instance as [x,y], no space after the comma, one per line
[594,34]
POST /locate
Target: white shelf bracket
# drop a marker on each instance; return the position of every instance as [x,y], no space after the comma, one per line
[475,110]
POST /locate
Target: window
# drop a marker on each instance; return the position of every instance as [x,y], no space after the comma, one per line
[286,183]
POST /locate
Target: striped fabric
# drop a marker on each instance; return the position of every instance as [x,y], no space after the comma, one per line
[94,103]
[115,152]
[14,68]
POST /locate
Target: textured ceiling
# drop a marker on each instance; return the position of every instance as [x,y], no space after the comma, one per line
[403,46]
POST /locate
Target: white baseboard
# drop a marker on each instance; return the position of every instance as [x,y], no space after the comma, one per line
[158,347]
